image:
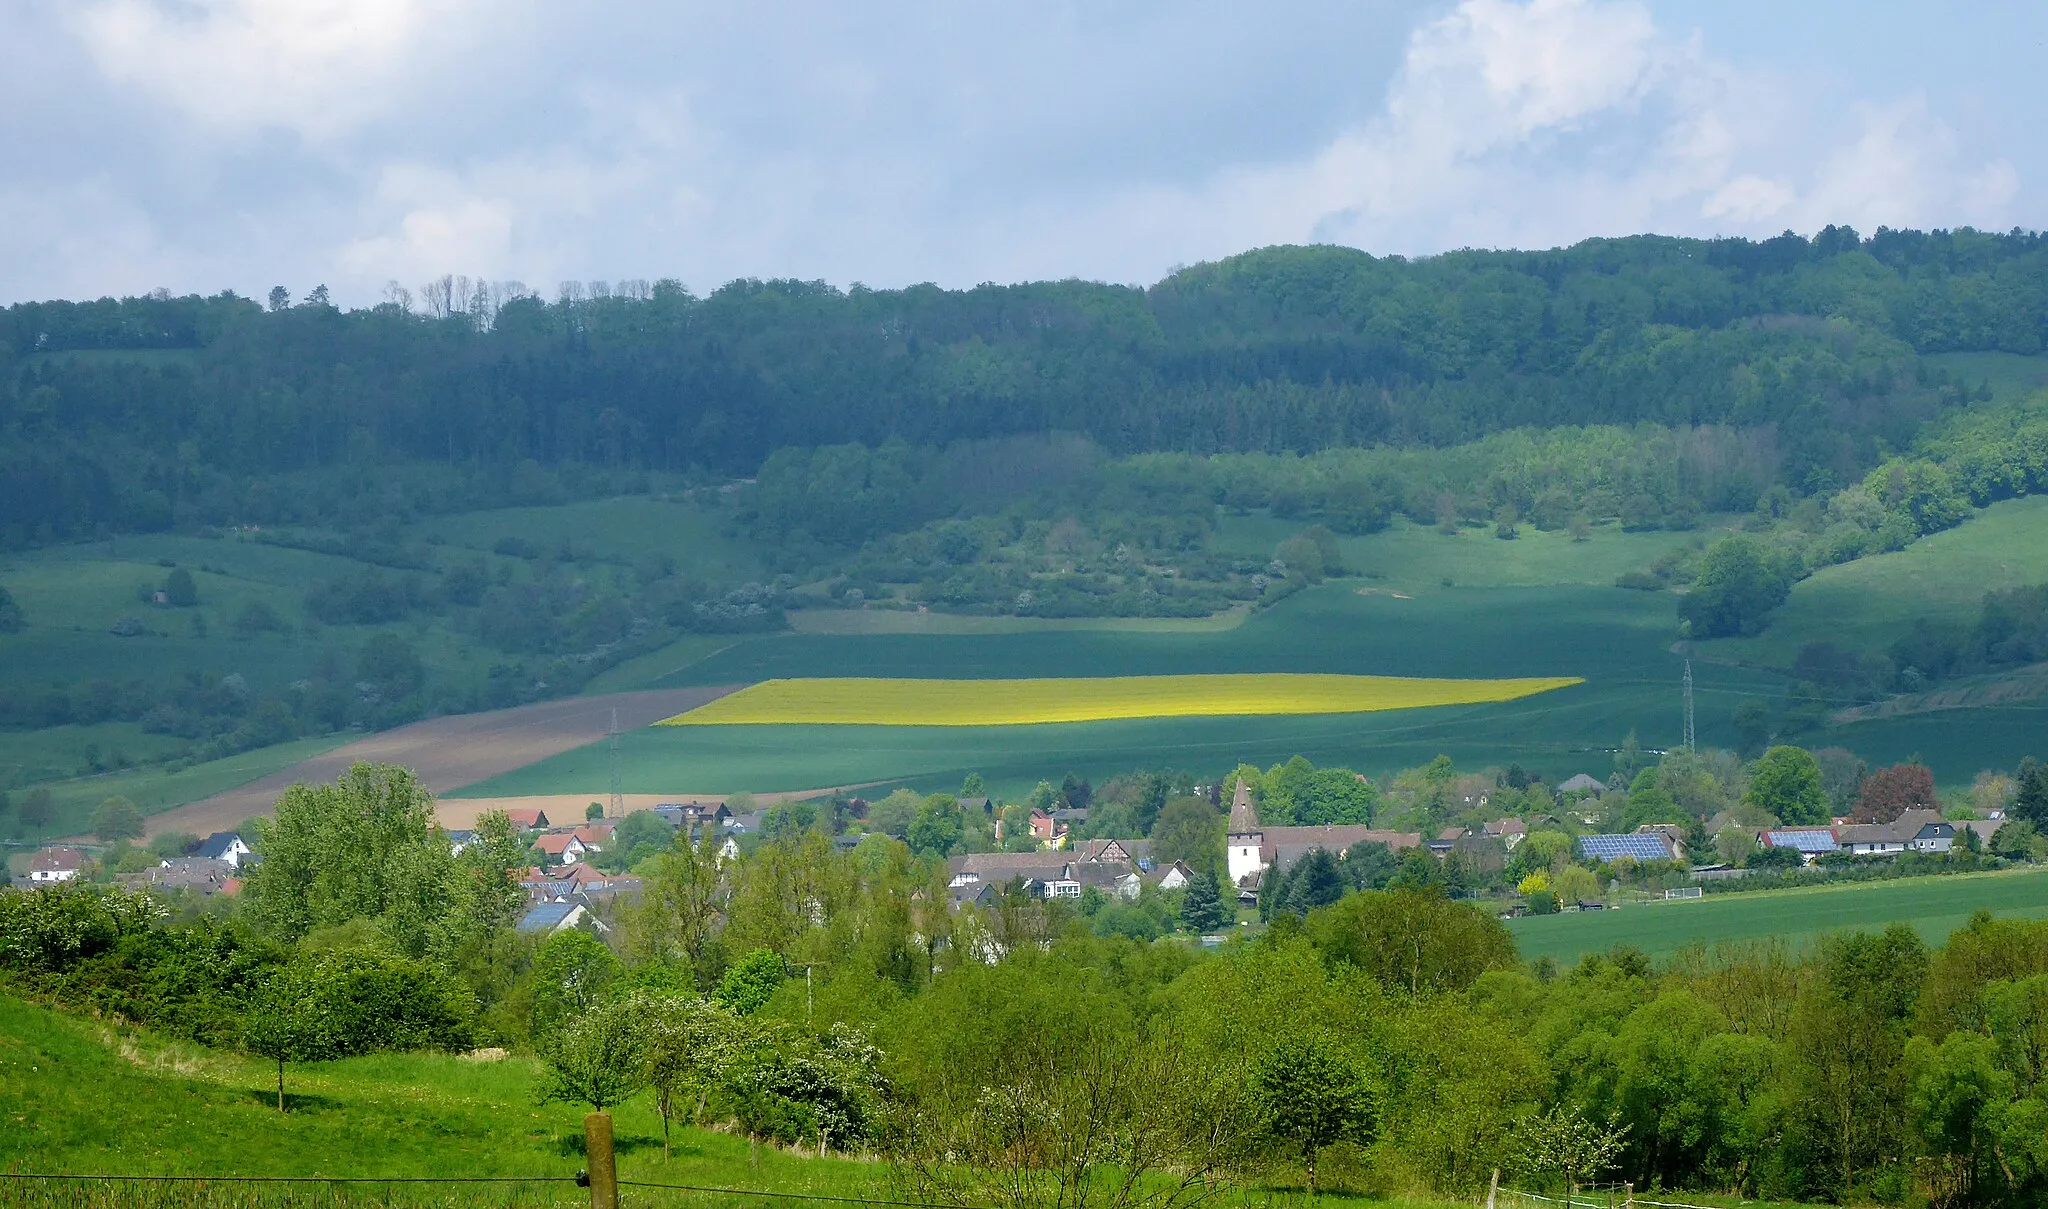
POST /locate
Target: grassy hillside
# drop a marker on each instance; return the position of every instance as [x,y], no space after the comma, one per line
[79,1096]
[1866,604]
[1934,906]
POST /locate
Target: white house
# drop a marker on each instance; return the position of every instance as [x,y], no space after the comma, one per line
[51,866]
[563,848]
[224,846]
[1913,831]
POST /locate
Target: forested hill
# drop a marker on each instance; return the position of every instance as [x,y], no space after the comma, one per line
[129,414]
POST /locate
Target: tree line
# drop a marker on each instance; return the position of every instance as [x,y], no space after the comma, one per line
[140,412]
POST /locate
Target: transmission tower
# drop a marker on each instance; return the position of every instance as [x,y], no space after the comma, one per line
[1688,705]
[618,806]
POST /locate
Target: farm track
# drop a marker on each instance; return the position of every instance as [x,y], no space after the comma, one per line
[449,752]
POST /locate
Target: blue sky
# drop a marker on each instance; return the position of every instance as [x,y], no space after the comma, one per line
[209,144]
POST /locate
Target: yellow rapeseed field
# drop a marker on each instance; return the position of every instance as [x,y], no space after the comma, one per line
[877,702]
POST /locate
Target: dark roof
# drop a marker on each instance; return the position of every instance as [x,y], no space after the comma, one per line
[215,847]
[1244,817]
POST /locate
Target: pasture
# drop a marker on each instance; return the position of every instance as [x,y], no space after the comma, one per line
[1933,906]
[861,701]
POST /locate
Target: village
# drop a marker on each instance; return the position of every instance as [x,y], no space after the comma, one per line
[583,871]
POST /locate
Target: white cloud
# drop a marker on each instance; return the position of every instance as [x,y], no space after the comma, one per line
[917,140]
[315,67]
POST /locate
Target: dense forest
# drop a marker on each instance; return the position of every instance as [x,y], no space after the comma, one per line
[140,413]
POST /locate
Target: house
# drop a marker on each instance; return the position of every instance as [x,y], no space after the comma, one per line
[1640,846]
[1917,830]
[1070,817]
[1582,783]
[548,918]
[224,846]
[53,866]
[562,847]
[1175,876]
[1808,842]
[458,840]
[970,805]
[528,819]
[1508,831]
[594,836]
[1046,829]
[1106,850]
[1446,840]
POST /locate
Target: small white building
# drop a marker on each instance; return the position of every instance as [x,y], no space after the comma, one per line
[54,866]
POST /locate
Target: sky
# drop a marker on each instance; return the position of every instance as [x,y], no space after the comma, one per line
[201,145]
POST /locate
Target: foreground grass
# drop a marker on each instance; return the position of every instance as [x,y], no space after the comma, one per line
[861,701]
[81,1097]
[1934,906]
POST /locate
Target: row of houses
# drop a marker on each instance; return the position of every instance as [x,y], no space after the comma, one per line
[1119,868]
[214,867]
[1917,830]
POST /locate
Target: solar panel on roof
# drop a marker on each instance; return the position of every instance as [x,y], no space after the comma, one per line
[545,916]
[1803,841]
[1614,847]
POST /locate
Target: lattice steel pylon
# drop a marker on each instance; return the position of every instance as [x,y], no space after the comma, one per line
[1688,706]
[617,809]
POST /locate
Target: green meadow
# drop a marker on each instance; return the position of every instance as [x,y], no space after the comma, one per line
[80,1096]
[1933,906]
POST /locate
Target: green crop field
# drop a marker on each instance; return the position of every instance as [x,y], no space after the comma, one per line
[1934,906]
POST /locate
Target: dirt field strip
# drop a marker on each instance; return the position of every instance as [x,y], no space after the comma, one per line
[451,752]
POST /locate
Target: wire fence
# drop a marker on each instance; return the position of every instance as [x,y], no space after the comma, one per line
[1590,1196]
[49,1190]
[52,1190]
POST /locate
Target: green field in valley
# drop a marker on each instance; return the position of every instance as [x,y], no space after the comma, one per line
[1934,906]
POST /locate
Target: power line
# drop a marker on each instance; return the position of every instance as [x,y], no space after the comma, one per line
[618,805]
[1688,707]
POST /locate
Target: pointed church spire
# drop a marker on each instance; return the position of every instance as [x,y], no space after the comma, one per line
[1244,817]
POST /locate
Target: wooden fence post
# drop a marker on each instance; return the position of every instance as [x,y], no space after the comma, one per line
[1629,1195]
[604,1172]
[1492,1186]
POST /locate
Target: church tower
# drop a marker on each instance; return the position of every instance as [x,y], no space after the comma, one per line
[1244,839]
